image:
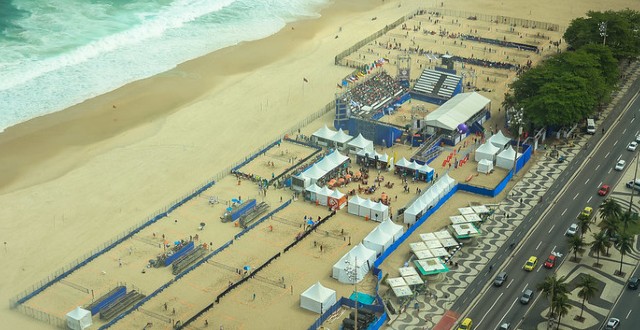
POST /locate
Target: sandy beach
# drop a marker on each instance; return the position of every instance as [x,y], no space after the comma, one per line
[77,178]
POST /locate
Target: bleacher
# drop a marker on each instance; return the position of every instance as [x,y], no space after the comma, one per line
[437,84]
[369,97]
[187,260]
[121,305]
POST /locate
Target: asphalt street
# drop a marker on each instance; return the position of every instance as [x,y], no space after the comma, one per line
[543,230]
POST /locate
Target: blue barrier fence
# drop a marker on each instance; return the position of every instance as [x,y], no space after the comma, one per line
[252,157]
[107,300]
[184,250]
[253,225]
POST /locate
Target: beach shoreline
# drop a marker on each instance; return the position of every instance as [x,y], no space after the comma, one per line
[76,178]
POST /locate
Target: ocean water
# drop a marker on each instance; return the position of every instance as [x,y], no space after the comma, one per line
[57,53]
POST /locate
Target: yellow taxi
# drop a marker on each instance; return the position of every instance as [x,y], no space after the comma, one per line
[587,211]
[466,324]
[531,263]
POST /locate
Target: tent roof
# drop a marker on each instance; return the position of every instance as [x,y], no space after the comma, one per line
[78,313]
[457,110]
[378,235]
[379,206]
[313,188]
[424,168]
[324,133]
[403,162]
[341,137]
[488,148]
[318,292]
[388,226]
[337,158]
[499,138]
[325,191]
[508,153]
[485,162]
[362,253]
[360,142]
[327,164]
[314,172]
[336,194]
[357,200]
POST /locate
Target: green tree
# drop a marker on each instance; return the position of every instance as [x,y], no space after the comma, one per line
[553,287]
[588,289]
[607,64]
[610,208]
[624,245]
[627,218]
[600,244]
[584,223]
[576,243]
[561,306]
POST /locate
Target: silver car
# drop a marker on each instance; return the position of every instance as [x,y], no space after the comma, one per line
[612,324]
[632,146]
[572,229]
[620,165]
[527,295]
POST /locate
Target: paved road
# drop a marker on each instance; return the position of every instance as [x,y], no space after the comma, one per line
[501,304]
[627,308]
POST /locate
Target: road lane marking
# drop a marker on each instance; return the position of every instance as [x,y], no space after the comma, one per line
[597,167]
[563,212]
[615,142]
[587,181]
[625,130]
[509,283]
[607,155]
[609,171]
[505,314]
[628,314]
[576,196]
[538,245]
[554,249]
[551,228]
[490,308]
[539,268]
[589,200]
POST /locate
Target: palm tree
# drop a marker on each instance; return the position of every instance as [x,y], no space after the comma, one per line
[553,287]
[627,218]
[584,222]
[610,228]
[588,289]
[600,244]
[575,244]
[562,306]
[624,245]
[610,208]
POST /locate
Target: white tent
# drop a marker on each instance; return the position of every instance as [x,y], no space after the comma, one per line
[424,168]
[326,164]
[313,190]
[449,180]
[79,319]
[322,195]
[341,137]
[505,158]
[391,228]
[485,166]
[486,151]
[457,110]
[317,298]
[378,240]
[337,158]
[411,213]
[336,194]
[360,143]
[403,162]
[365,208]
[429,199]
[354,205]
[314,173]
[499,140]
[324,135]
[379,211]
[359,260]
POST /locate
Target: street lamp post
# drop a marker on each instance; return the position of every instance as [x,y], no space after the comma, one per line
[602,27]
[635,177]
[516,119]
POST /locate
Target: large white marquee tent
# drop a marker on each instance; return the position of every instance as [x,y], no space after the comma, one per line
[317,298]
[354,265]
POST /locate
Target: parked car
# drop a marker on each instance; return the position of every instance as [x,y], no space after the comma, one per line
[620,165]
[505,326]
[612,324]
[572,230]
[530,264]
[550,262]
[632,146]
[633,283]
[527,295]
[604,190]
[500,279]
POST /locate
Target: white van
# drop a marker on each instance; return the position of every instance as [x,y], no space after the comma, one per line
[634,185]
[591,126]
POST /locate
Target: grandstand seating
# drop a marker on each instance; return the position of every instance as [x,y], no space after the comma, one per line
[121,305]
[376,92]
[436,83]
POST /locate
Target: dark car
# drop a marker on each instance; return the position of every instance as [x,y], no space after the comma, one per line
[500,279]
[633,283]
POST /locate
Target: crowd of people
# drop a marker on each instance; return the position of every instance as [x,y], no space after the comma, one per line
[374,90]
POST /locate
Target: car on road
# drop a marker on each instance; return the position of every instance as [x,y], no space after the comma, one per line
[500,279]
[604,190]
[632,146]
[466,324]
[505,326]
[587,211]
[550,262]
[572,230]
[638,138]
[527,295]
[620,165]
[612,324]
[633,283]
[530,264]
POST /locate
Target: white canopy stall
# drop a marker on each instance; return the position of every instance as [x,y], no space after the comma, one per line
[323,136]
[313,190]
[354,205]
[379,211]
[485,166]
[392,229]
[79,319]
[359,257]
[341,138]
[359,143]
[323,195]
[506,157]
[378,240]
[317,298]
[499,140]
[486,151]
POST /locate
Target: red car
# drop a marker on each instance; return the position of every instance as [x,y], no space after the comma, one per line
[604,190]
[550,262]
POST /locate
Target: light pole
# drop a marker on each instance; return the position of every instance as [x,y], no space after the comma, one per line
[602,26]
[352,272]
[633,184]
[516,119]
